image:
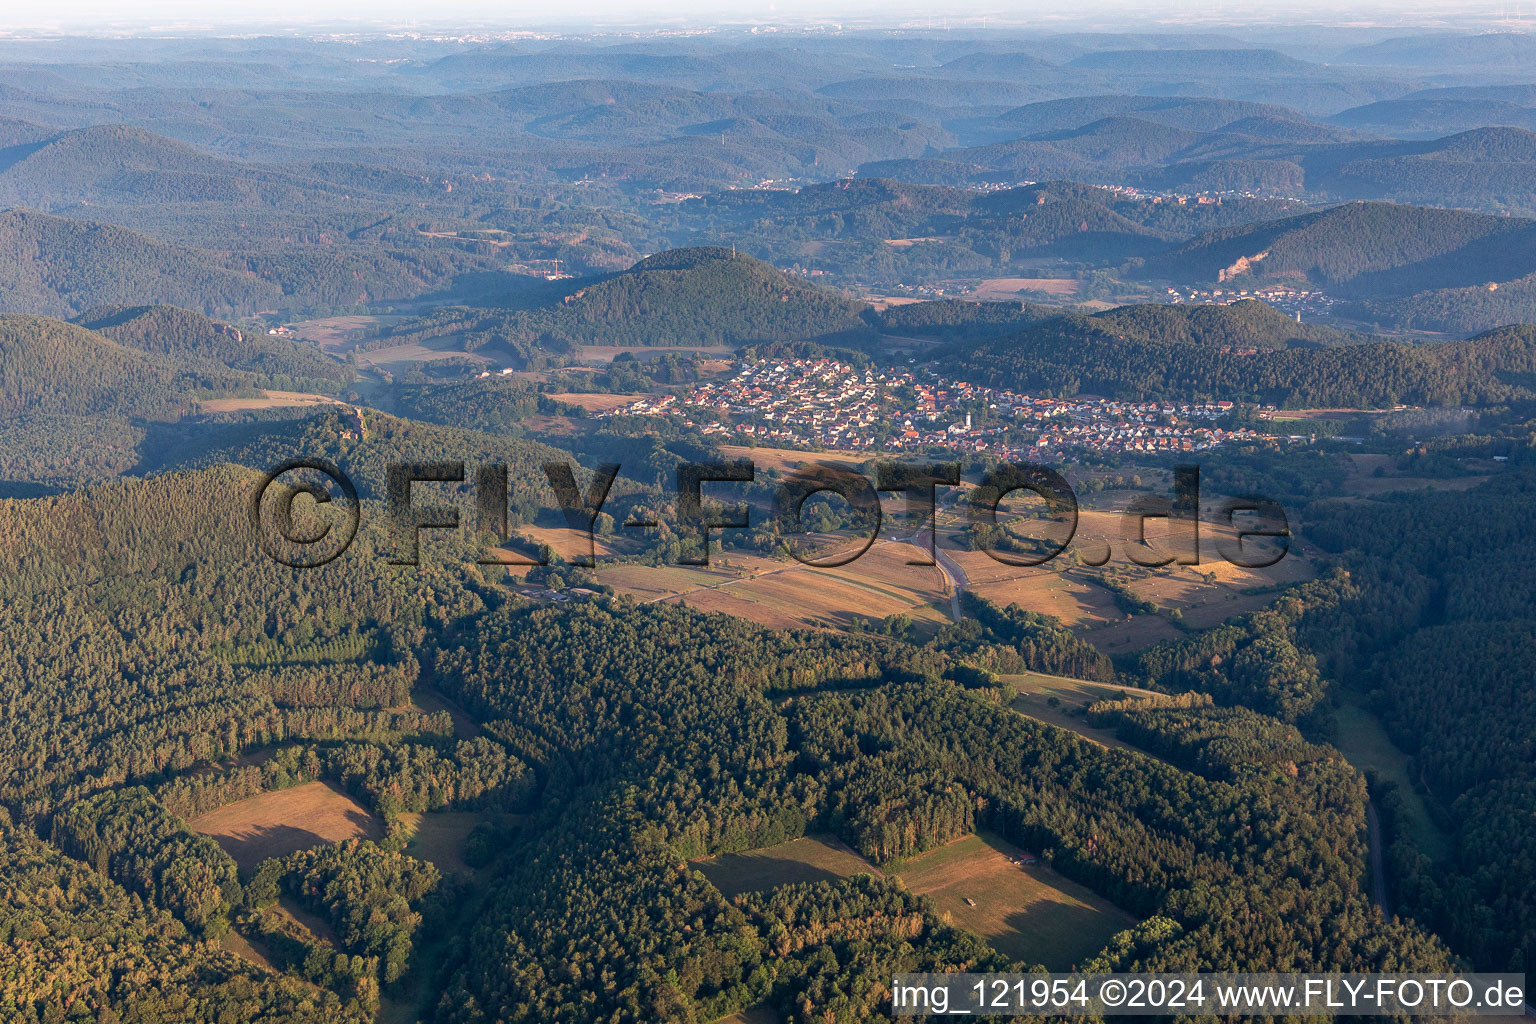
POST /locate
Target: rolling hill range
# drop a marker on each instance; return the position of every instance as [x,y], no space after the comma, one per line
[73,402]
[47,366]
[879,228]
[1173,144]
[1246,350]
[78,400]
[1189,112]
[1375,253]
[61,266]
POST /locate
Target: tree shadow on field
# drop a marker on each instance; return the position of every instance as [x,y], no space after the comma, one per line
[250,846]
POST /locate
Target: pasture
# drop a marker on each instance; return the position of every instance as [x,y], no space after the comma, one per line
[286,821]
[439,836]
[808,859]
[1059,701]
[1364,742]
[1024,910]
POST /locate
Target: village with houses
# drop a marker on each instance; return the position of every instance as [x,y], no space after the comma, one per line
[824,403]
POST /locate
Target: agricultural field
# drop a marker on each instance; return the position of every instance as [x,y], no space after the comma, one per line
[782,592]
[876,585]
[268,400]
[286,821]
[338,333]
[1010,287]
[757,1015]
[595,402]
[1025,910]
[808,859]
[790,458]
[402,357]
[569,544]
[1203,595]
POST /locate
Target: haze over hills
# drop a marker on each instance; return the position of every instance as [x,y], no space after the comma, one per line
[556,752]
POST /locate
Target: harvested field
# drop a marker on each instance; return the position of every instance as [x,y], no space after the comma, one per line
[788,458]
[1025,911]
[1204,595]
[1009,287]
[277,824]
[785,593]
[594,402]
[809,859]
[268,400]
[569,544]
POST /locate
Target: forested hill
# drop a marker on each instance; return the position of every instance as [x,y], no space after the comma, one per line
[1238,352]
[183,334]
[1365,250]
[57,266]
[1247,324]
[47,366]
[62,267]
[702,296]
[364,447]
[689,298]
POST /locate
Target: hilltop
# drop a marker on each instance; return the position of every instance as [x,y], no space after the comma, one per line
[703,296]
[687,298]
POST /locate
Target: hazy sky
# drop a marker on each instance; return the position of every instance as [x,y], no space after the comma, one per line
[97,16]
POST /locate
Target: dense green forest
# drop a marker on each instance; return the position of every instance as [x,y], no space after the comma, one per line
[651,737]
[1439,635]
